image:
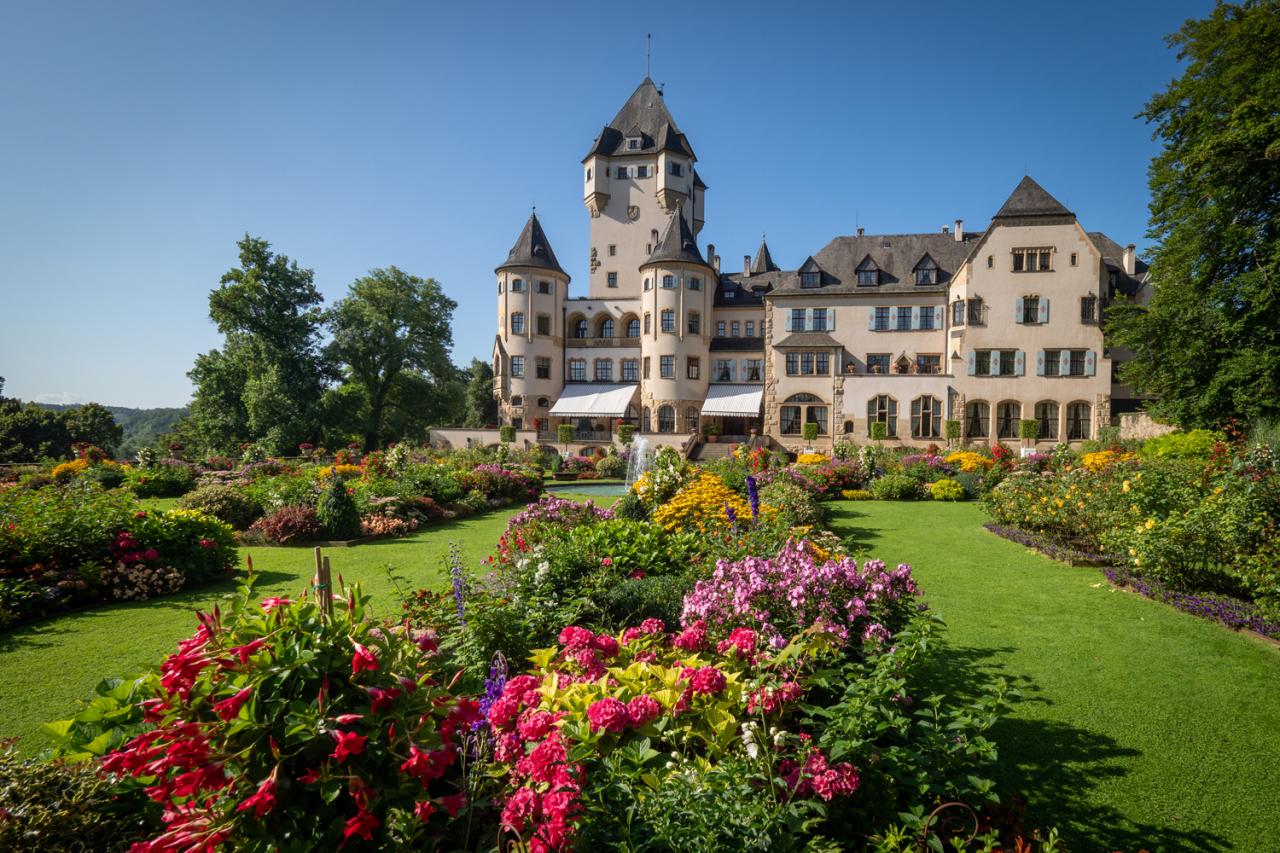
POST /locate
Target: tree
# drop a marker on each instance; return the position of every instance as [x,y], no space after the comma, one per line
[1208,343]
[30,433]
[267,381]
[482,408]
[92,423]
[392,334]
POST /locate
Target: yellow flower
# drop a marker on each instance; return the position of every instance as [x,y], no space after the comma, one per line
[811,459]
[702,500]
[1151,523]
[1125,487]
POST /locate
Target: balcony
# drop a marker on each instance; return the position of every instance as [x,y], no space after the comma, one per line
[594,343]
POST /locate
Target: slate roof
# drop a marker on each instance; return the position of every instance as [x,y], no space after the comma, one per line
[737,344]
[645,115]
[896,256]
[1031,199]
[808,339]
[747,292]
[677,243]
[532,249]
[1113,257]
[764,261]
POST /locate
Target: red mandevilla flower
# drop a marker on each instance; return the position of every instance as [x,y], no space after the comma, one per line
[349,743]
[263,800]
[229,709]
[362,660]
[363,825]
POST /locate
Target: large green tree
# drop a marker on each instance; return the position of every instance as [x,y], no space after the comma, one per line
[94,424]
[481,407]
[1208,343]
[267,380]
[392,335]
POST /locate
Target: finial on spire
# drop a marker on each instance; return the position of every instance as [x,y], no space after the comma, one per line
[648,44]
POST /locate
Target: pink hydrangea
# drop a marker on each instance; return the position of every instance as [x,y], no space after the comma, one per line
[605,645]
[693,638]
[708,681]
[643,709]
[608,715]
[573,638]
[534,725]
[741,640]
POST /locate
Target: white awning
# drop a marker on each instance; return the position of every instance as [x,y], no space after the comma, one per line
[735,400]
[589,400]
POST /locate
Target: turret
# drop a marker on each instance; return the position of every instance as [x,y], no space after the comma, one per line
[528,368]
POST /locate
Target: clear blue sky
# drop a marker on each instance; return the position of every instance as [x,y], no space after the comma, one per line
[139,141]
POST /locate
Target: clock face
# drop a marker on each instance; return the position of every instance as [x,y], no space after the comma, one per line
[633,213]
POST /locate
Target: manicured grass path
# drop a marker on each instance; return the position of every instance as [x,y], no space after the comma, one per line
[1140,727]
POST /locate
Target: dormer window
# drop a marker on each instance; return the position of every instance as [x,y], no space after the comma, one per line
[677,169]
[633,144]
[868,273]
[926,271]
[810,279]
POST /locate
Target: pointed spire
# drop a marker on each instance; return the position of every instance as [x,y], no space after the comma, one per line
[532,249]
[764,261]
[645,115]
[677,243]
[1031,199]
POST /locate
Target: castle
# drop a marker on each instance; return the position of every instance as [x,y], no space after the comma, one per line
[987,328]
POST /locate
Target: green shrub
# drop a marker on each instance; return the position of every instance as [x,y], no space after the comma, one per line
[971,482]
[879,430]
[632,601]
[564,433]
[337,511]
[896,487]
[809,431]
[951,430]
[226,503]
[165,480]
[947,490]
[433,481]
[856,495]
[1028,430]
[795,505]
[631,507]
[1195,445]
[281,490]
[106,476]
[731,471]
[58,805]
[506,433]
[474,501]
[626,433]
[613,467]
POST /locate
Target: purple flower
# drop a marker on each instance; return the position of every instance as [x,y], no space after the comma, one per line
[459,582]
[728,511]
[492,688]
[753,496]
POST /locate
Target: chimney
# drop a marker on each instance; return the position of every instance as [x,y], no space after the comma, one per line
[861,230]
[716,263]
[946,230]
[959,230]
[1130,259]
[711,254]
[746,266]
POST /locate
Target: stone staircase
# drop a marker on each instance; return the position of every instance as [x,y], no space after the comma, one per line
[706,452]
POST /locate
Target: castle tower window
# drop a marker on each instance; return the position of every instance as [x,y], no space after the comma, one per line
[693,367]
[613,279]
[691,419]
[633,328]
[668,320]
[544,287]
[667,366]
[677,169]
[695,283]
[646,376]
[543,402]
[517,366]
[666,419]
[695,323]
[517,323]
[647,322]
[544,369]
[648,285]
[668,282]
[577,370]
[544,324]
[517,285]
[613,249]
[580,329]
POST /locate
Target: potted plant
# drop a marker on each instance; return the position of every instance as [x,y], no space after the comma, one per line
[951,430]
[810,432]
[712,433]
[626,433]
[564,435]
[1028,431]
[879,431]
[507,433]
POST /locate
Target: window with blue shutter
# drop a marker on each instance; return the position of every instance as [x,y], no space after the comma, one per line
[1020,363]
[1040,362]
[971,360]
[1044,310]
[1064,363]
[1090,363]
[1018,308]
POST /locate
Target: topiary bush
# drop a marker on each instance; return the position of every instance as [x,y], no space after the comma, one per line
[946,490]
[613,467]
[337,511]
[290,525]
[896,487]
[226,503]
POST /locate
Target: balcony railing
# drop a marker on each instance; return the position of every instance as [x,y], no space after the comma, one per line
[602,342]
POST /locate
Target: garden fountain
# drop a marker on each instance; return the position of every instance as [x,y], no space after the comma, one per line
[641,459]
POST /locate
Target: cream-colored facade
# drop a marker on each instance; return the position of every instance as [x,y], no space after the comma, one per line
[988,329]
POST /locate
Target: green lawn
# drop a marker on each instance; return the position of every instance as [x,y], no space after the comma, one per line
[1140,727]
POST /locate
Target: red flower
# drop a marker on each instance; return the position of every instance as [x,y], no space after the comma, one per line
[151,554]
[263,800]
[643,709]
[229,709]
[363,825]
[425,766]
[246,651]
[608,714]
[208,543]
[349,743]
[606,645]
[347,719]
[454,803]
[741,640]
[521,807]
[707,680]
[383,699]
[311,777]
[574,638]
[423,810]
[363,659]
[693,638]
[269,604]
[534,725]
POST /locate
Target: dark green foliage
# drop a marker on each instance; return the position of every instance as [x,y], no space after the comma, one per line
[93,424]
[634,600]
[1029,430]
[482,408]
[612,467]
[59,806]
[794,504]
[106,476]
[896,487]
[809,431]
[507,433]
[226,503]
[31,432]
[165,480]
[631,507]
[1206,345]
[336,510]
[564,433]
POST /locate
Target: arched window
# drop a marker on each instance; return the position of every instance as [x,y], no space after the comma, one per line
[1047,415]
[543,402]
[800,409]
[691,419]
[1007,414]
[517,323]
[926,417]
[580,328]
[647,285]
[666,419]
[629,415]
[848,427]
[648,322]
[668,282]
[977,418]
[884,409]
[633,327]
[1079,418]
[645,423]
[606,328]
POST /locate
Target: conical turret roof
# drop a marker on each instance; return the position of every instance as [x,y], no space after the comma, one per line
[677,243]
[1031,199]
[644,115]
[532,249]
[764,261]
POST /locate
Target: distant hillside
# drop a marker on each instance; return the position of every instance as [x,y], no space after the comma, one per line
[141,426]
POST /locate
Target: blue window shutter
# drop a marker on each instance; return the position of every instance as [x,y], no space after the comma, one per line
[1044,310]
[972,360]
[1020,363]
[871,319]
[1064,363]
[1090,363]
[831,319]
[915,316]
[1017,310]
[1040,363]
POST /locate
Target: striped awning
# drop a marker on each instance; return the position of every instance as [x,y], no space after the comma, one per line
[590,400]
[733,400]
